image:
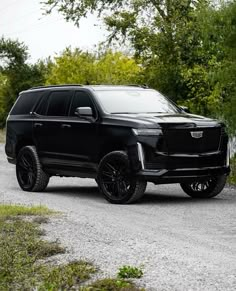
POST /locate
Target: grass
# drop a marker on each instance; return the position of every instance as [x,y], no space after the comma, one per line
[23,256]
[2,135]
[20,210]
[111,284]
[232,177]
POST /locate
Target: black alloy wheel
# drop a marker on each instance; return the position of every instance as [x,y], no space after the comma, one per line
[116,181]
[205,189]
[29,172]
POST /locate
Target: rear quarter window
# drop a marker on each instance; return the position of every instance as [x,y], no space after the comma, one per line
[25,103]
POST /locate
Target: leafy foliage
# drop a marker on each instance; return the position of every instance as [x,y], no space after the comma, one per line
[89,68]
[187,48]
[15,74]
[184,48]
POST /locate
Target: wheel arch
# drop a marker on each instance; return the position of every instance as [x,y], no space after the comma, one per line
[130,149]
[22,143]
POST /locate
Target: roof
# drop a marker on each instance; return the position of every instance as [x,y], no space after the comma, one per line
[93,87]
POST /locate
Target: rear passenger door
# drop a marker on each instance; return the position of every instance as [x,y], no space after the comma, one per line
[50,117]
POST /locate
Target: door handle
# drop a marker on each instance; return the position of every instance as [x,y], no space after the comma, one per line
[37,124]
[65,126]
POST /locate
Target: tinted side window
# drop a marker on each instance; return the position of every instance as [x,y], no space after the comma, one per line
[81,99]
[56,104]
[25,103]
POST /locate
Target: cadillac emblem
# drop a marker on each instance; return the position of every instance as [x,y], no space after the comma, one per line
[197,134]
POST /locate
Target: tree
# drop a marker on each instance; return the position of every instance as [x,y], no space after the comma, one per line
[15,74]
[164,34]
[228,68]
[75,66]
[179,42]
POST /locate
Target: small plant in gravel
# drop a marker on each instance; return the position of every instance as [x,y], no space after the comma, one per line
[126,272]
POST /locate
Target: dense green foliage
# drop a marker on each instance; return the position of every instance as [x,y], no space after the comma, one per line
[93,68]
[15,74]
[187,48]
[232,177]
[184,48]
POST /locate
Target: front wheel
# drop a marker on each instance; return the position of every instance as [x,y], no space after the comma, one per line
[116,181]
[205,189]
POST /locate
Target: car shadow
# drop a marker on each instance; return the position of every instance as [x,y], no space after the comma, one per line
[166,198]
[92,192]
[75,191]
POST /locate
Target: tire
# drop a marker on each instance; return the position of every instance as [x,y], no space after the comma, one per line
[29,172]
[205,189]
[116,181]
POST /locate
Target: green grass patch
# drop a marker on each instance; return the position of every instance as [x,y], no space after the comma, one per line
[67,277]
[232,177]
[23,253]
[110,284]
[16,210]
[2,135]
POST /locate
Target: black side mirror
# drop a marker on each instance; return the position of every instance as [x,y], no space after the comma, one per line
[185,109]
[84,112]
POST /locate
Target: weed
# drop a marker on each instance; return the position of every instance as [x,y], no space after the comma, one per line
[2,135]
[129,272]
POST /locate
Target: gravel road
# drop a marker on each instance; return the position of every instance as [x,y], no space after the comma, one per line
[183,244]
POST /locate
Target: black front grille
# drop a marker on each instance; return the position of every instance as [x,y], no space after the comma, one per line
[181,140]
[168,162]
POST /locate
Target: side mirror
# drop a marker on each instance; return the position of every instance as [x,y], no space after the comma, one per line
[185,109]
[84,112]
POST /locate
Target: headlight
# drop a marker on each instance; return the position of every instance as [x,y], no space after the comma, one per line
[147,131]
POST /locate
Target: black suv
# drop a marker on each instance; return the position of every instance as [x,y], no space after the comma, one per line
[122,136]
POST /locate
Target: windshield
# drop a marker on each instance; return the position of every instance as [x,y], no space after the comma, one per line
[135,101]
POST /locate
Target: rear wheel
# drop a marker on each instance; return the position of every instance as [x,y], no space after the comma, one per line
[116,181]
[205,189]
[29,172]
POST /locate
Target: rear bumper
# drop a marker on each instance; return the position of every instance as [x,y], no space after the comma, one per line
[165,176]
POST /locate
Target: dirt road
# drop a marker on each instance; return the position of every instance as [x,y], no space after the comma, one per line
[183,244]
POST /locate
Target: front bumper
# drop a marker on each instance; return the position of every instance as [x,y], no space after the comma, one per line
[180,168]
[165,176]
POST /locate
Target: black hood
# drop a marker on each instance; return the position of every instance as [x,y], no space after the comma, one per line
[161,120]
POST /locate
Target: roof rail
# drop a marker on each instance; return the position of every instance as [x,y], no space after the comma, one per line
[144,86]
[53,86]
